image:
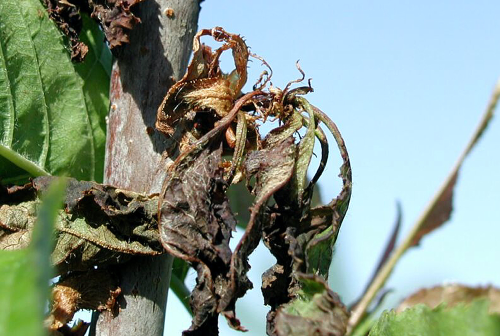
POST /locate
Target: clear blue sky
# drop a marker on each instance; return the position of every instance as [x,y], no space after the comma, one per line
[406,82]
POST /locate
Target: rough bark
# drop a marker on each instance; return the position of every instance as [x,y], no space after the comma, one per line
[155,59]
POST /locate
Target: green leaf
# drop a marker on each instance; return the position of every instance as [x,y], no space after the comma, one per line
[20,306]
[26,274]
[95,72]
[306,147]
[51,119]
[315,310]
[461,320]
[319,252]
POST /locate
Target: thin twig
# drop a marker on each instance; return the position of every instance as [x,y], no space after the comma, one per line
[408,242]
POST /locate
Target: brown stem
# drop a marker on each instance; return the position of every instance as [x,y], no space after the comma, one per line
[156,57]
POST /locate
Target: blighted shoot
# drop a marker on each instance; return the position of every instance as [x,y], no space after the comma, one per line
[213,121]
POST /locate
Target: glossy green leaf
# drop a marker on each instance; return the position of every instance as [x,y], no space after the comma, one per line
[26,274]
[51,119]
[461,320]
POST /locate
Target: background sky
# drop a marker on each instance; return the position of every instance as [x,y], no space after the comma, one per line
[406,82]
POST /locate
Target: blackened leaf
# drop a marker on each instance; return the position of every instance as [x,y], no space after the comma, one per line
[116,20]
[316,310]
[196,224]
[273,168]
[186,214]
[302,238]
[114,16]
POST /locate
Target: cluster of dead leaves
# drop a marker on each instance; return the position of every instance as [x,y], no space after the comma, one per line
[211,119]
[114,16]
[99,228]
[216,128]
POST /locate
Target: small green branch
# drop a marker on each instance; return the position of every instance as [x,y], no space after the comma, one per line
[415,233]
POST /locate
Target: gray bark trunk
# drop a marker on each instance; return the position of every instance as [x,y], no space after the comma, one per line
[155,59]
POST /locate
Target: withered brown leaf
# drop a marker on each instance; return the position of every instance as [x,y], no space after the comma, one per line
[114,16]
[100,226]
[195,113]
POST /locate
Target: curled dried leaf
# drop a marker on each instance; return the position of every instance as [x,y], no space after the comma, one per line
[204,88]
[195,112]
[95,289]
[114,16]
[100,225]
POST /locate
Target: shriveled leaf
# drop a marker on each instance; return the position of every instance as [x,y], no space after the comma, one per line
[95,289]
[302,238]
[306,147]
[204,86]
[115,18]
[26,273]
[452,295]
[315,310]
[42,101]
[461,320]
[195,112]
[272,168]
[196,224]
[100,225]
[327,219]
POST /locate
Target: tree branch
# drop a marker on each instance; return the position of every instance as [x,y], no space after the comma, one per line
[155,59]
